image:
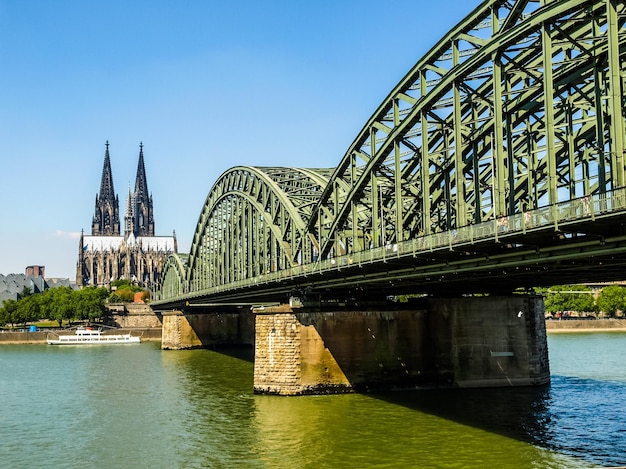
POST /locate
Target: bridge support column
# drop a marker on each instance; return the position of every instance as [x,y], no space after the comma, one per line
[460,342]
[177,333]
[206,329]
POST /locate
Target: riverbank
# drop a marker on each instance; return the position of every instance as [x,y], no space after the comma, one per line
[585,325]
[151,334]
[39,337]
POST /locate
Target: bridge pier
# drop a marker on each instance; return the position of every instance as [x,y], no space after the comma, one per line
[206,329]
[436,342]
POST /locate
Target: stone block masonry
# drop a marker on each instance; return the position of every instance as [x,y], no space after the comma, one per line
[207,329]
[459,342]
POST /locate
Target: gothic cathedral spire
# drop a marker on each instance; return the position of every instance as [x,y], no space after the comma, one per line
[139,255]
[106,220]
[143,217]
[129,218]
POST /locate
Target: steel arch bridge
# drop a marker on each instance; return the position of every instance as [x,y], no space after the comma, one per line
[501,149]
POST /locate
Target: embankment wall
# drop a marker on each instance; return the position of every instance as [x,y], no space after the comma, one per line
[11,338]
[585,325]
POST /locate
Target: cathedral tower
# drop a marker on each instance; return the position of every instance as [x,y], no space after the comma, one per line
[138,255]
[106,220]
[141,203]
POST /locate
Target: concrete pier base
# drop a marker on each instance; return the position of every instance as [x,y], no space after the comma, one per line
[460,342]
[206,329]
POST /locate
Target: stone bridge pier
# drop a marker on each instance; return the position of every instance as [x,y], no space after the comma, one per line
[212,327]
[429,343]
[460,342]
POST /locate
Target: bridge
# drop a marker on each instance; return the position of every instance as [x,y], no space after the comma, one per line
[495,164]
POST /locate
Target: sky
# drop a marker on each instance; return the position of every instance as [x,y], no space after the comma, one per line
[205,85]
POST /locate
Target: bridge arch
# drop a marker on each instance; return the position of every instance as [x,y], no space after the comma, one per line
[175,276]
[512,110]
[518,108]
[253,222]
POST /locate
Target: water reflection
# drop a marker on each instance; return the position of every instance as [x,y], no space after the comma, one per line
[214,406]
[143,407]
[549,426]
[400,430]
[587,419]
[222,424]
[519,413]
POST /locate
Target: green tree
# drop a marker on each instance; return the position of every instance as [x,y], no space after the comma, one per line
[28,309]
[60,304]
[612,299]
[57,304]
[90,302]
[8,312]
[121,282]
[124,291]
[569,298]
[124,294]
[26,292]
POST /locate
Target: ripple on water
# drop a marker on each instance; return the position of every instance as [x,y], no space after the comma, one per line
[142,407]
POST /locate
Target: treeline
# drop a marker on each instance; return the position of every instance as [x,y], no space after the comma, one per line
[581,299]
[66,304]
[55,304]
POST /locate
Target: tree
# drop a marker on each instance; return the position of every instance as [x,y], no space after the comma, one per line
[124,291]
[26,292]
[90,302]
[125,294]
[612,299]
[8,312]
[60,304]
[569,298]
[28,309]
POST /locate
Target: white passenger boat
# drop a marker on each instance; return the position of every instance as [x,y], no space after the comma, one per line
[90,336]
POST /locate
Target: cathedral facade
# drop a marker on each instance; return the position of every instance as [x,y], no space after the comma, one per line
[137,254]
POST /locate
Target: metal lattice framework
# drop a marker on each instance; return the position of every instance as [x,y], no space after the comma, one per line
[518,108]
[254,222]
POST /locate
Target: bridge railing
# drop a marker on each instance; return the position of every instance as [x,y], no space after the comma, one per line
[588,207]
[503,227]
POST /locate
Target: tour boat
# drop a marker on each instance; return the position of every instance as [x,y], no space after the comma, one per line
[89,336]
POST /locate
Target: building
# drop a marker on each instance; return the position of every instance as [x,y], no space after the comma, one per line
[137,254]
[12,285]
[36,270]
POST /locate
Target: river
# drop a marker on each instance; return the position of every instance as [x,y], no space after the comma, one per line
[136,406]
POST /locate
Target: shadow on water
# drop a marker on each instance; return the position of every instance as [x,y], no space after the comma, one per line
[518,413]
[573,416]
[221,423]
[240,352]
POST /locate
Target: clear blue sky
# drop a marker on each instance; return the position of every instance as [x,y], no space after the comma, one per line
[205,85]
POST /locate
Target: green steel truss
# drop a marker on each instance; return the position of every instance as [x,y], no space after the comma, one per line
[254,222]
[518,108]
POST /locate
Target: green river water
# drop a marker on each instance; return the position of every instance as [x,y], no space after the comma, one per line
[136,406]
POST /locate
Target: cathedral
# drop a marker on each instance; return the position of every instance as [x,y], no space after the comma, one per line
[137,255]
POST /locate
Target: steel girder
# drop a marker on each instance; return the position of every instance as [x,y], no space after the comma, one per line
[520,106]
[175,276]
[254,222]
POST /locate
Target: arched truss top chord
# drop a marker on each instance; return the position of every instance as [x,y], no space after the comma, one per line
[174,276]
[518,107]
[253,222]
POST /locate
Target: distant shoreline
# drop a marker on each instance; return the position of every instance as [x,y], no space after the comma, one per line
[553,326]
[40,337]
[556,326]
